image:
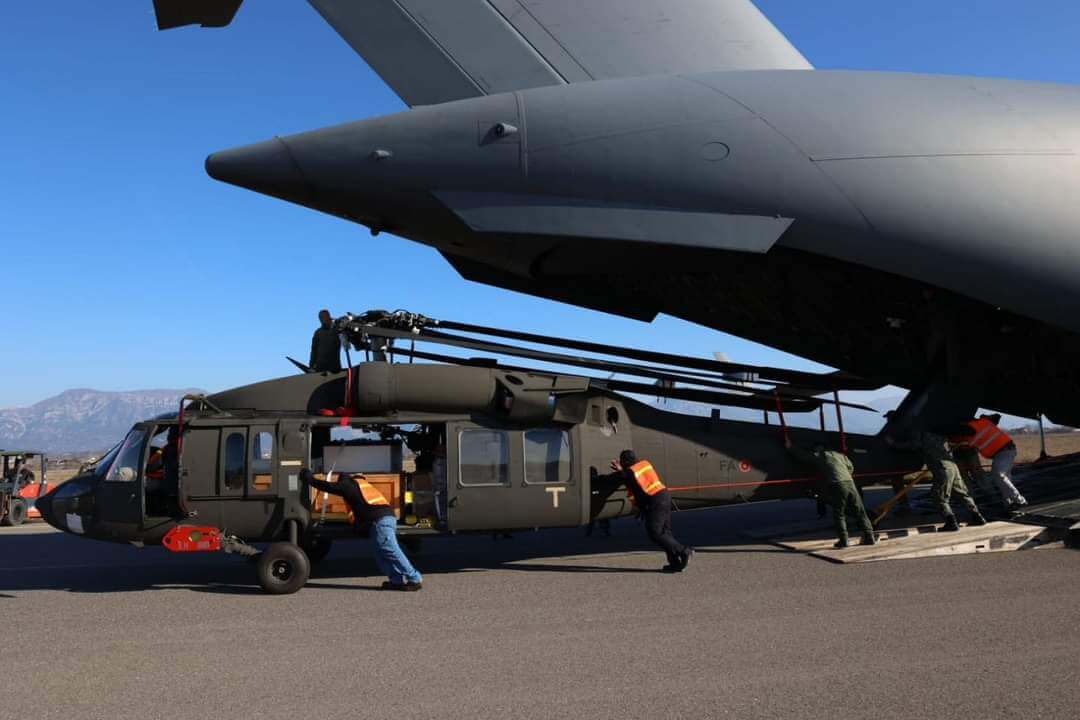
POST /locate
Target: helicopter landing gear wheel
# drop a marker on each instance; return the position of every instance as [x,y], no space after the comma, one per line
[282,569]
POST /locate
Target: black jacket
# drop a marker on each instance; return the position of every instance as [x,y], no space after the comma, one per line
[325,351]
[348,490]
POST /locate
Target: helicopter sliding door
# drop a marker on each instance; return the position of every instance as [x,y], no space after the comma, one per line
[502,479]
[247,481]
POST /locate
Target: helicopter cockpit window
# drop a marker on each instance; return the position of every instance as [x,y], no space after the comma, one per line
[547,456]
[262,455]
[484,457]
[235,462]
[125,468]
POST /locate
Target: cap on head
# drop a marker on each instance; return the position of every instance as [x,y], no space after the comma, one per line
[627,458]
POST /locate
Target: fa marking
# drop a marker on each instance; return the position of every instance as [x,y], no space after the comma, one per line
[555,491]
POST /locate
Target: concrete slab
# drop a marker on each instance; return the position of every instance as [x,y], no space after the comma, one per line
[925,541]
[34,527]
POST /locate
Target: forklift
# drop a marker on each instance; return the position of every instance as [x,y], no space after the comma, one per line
[19,486]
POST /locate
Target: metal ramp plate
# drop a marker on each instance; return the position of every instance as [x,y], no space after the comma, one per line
[924,541]
[1063,513]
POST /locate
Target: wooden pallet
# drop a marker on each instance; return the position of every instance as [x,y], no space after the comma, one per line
[925,541]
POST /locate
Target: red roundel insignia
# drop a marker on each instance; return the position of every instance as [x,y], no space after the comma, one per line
[745,466]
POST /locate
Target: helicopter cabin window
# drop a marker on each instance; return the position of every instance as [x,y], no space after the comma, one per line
[262,455]
[126,466]
[547,457]
[484,457]
[235,465]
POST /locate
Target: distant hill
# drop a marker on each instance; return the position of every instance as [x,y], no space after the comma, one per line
[77,421]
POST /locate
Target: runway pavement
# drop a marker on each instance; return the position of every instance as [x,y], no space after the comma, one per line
[544,625]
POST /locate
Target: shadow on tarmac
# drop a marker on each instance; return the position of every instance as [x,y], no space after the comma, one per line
[61,562]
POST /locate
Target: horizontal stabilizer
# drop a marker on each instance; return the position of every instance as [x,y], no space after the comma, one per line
[207,13]
[567,217]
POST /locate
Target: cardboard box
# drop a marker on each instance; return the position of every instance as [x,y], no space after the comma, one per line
[369,458]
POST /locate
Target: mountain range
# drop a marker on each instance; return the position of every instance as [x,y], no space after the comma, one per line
[82,421]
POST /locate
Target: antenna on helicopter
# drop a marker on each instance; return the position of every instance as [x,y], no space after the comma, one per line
[299,365]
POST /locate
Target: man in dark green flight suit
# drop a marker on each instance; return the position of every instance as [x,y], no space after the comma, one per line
[947,481]
[835,470]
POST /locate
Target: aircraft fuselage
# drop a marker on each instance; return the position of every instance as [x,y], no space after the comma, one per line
[907,228]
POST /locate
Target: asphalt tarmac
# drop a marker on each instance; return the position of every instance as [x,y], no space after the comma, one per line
[543,625]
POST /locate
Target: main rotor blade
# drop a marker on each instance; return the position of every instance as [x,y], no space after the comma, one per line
[823,381]
[750,399]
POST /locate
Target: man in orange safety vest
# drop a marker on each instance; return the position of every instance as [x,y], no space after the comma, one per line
[995,445]
[370,507]
[654,502]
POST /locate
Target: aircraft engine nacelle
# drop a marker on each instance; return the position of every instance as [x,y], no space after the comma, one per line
[379,388]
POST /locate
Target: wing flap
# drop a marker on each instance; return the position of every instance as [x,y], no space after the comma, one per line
[568,217]
[631,38]
[435,51]
[493,46]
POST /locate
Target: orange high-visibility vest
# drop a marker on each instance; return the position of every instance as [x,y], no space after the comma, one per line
[371,495]
[989,438]
[647,478]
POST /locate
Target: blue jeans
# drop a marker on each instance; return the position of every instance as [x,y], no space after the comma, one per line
[388,556]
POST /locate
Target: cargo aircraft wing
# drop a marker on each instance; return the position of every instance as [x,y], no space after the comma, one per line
[435,51]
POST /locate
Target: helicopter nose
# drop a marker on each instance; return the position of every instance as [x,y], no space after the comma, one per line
[44,505]
[266,167]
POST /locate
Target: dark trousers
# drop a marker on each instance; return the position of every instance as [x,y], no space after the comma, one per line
[658,526]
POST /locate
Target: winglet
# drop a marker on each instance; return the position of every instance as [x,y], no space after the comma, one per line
[207,13]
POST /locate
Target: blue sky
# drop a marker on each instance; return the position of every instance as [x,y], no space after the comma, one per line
[126,267]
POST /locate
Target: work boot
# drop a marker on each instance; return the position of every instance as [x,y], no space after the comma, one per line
[841,543]
[950,525]
[869,539]
[977,518]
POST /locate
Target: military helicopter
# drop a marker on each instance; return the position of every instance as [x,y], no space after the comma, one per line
[496,447]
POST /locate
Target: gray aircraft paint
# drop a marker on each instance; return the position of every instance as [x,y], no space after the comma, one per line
[682,157]
[434,51]
[931,171]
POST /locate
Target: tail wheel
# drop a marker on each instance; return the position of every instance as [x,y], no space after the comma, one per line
[282,569]
[16,514]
